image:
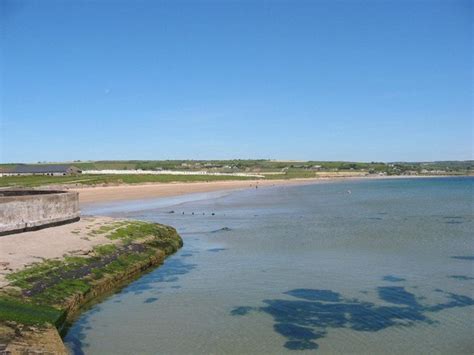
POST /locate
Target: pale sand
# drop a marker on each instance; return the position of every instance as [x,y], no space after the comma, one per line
[98,194]
[19,250]
[88,195]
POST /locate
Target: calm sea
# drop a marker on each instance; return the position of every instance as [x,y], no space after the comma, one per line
[380,266]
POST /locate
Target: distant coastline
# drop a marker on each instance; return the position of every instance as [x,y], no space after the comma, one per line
[124,192]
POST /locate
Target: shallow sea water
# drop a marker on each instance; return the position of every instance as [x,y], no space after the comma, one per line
[379,266]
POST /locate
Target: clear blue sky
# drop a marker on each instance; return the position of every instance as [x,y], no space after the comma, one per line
[321,80]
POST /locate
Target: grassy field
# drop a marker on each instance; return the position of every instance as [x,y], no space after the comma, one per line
[291,174]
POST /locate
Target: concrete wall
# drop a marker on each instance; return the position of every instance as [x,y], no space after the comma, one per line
[23,210]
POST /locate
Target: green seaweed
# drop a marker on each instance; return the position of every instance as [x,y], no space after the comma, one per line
[105,249]
[42,287]
[29,313]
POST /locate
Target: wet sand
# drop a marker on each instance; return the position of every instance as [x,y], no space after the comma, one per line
[98,194]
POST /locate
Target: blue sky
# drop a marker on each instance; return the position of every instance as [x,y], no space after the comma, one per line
[320,80]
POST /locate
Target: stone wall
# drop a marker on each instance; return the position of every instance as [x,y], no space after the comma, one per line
[25,210]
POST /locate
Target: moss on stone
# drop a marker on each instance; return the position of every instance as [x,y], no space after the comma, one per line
[40,293]
[29,313]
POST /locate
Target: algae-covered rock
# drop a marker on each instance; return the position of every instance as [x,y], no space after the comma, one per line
[41,297]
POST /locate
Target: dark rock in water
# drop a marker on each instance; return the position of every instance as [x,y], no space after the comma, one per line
[170,212]
[213,214]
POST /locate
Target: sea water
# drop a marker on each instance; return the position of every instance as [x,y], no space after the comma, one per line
[366,266]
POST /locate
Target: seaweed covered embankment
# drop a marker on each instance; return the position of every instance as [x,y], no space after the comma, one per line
[41,298]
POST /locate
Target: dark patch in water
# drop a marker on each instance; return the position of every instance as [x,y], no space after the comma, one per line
[241,311]
[315,295]
[453,219]
[216,250]
[186,255]
[300,338]
[310,316]
[76,341]
[461,277]
[76,345]
[456,301]
[225,229]
[151,300]
[398,295]
[392,278]
[467,257]
[375,218]
[168,272]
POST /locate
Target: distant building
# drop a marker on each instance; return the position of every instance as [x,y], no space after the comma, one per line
[40,169]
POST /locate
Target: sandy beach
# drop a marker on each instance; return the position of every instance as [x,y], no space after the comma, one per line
[99,194]
[89,195]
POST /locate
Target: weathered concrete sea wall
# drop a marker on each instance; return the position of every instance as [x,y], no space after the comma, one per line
[25,210]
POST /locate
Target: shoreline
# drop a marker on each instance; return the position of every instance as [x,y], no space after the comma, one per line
[100,194]
[126,192]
